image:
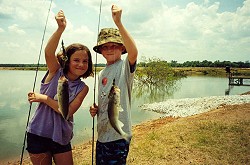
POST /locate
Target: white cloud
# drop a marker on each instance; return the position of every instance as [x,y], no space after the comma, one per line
[11,45]
[15,29]
[165,29]
[195,33]
[6,10]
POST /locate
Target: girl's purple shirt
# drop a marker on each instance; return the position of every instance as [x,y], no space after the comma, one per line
[48,123]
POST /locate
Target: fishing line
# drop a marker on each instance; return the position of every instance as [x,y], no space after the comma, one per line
[93,122]
[34,85]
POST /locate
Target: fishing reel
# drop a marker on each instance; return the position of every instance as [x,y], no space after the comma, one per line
[64,57]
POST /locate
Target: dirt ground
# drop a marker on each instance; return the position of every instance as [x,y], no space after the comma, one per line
[83,152]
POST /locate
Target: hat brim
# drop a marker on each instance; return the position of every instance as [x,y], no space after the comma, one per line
[97,49]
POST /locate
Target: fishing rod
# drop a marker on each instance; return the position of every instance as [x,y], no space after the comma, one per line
[34,85]
[93,121]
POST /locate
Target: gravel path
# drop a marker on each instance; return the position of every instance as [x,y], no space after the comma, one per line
[191,106]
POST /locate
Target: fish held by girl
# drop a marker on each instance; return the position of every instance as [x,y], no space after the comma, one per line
[63,97]
[113,111]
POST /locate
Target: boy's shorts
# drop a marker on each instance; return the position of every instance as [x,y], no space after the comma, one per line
[38,144]
[112,153]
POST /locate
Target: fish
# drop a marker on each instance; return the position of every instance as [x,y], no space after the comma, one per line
[113,111]
[63,96]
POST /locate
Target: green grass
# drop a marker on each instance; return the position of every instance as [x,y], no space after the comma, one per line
[194,141]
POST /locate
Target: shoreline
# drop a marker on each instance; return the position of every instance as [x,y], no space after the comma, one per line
[187,71]
[191,106]
[79,149]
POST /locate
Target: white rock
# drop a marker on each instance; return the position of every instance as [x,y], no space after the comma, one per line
[191,106]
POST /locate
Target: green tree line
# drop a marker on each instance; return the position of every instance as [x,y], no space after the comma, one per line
[204,63]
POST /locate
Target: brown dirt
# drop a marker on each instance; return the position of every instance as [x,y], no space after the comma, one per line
[232,113]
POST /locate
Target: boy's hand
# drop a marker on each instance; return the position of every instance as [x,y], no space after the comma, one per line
[116,14]
[93,110]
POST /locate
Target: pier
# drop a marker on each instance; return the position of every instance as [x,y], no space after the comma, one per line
[237,80]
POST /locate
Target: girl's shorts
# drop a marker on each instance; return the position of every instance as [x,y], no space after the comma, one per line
[38,144]
[112,153]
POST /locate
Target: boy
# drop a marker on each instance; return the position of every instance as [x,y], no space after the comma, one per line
[111,148]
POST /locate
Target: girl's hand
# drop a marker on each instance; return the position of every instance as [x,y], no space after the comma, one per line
[36,97]
[93,110]
[61,20]
[116,14]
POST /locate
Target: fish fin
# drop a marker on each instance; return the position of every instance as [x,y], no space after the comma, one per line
[56,97]
[120,109]
[60,111]
[120,123]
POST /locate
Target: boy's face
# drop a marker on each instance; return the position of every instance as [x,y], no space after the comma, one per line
[112,52]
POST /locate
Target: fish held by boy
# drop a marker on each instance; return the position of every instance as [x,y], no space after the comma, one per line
[113,111]
[63,96]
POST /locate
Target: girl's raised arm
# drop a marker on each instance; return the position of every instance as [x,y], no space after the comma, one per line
[50,49]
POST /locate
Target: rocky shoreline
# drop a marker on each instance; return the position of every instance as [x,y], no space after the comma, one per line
[191,106]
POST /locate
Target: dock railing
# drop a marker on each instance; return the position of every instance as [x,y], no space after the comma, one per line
[236,79]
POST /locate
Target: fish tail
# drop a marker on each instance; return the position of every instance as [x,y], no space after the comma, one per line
[126,137]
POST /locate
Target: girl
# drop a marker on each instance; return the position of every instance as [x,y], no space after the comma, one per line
[48,133]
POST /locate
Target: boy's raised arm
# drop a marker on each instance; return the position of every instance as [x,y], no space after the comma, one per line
[127,38]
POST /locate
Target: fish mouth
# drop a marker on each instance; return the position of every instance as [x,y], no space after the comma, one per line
[117,90]
[63,78]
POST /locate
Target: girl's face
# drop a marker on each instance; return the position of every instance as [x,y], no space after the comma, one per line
[78,64]
[111,52]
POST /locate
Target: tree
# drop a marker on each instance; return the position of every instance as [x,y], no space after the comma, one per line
[156,72]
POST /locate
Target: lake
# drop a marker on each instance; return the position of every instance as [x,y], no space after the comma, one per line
[14,106]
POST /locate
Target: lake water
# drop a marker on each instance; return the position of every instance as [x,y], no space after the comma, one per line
[14,106]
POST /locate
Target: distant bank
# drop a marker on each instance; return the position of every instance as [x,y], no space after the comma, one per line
[189,71]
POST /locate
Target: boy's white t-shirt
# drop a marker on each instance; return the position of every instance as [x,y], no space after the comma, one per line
[120,71]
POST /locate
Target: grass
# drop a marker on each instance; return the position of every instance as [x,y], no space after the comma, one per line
[217,137]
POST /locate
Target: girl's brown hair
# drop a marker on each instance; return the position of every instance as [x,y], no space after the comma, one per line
[71,49]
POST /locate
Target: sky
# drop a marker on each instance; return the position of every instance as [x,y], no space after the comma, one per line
[171,30]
